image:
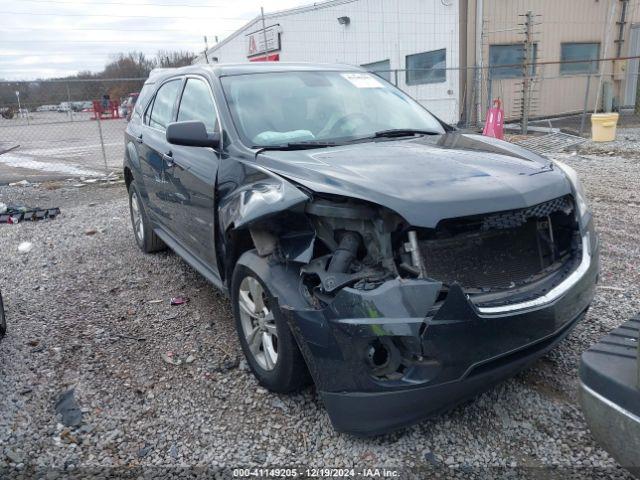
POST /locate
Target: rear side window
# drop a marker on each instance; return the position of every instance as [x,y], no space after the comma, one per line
[197,104]
[141,102]
[162,107]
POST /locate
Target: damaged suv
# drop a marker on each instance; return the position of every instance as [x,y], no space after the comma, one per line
[400,265]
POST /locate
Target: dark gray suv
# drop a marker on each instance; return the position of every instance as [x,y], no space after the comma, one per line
[400,265]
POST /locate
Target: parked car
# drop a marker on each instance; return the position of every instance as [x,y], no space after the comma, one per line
[78,106]
[128,104]
[64,107]
[610,393]
[399,264]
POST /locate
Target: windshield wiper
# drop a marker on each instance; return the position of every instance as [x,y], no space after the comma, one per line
[298,145]
[403,132]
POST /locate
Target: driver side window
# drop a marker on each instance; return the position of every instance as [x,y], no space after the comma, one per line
[197,104]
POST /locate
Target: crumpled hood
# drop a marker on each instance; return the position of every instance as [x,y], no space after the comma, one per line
[426,179]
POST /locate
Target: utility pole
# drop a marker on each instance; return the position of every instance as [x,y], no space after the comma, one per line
[206,49]
[617,70]
[527,62]
[607,39]
[264,31]
[479,62]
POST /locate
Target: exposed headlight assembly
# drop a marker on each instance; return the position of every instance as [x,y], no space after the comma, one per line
[578,192]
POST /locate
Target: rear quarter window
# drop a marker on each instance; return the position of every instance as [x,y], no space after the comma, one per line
[143,98]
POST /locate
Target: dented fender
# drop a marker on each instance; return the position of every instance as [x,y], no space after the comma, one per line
[259,200]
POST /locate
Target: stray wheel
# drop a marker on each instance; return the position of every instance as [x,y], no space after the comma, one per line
[145,237]
[265,337]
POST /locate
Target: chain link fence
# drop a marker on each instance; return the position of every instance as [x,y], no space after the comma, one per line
[58,129]
[74,127]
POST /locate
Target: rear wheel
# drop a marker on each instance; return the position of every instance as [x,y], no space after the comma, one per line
[265,337]
[145,237]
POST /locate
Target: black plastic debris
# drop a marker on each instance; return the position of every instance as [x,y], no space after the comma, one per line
[69,409]
[16,214]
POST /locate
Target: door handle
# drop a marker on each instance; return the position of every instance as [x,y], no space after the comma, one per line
[139,138]
[168,159]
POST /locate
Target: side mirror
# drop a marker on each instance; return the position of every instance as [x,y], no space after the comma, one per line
[191,134]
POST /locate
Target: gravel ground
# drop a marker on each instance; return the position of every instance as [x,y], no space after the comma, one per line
[91,312]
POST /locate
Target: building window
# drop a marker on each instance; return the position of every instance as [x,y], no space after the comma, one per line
[381,68]
[579,51]
[428,67]
[505,60]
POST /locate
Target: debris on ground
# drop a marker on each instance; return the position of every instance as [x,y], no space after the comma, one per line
[179,300]
[68,408]
[13,214]
[21,183]
[25,247]
[171,358]
[68,437]
[130,337]
[5,150]
[90,231]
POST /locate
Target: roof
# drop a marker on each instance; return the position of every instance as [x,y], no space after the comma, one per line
[278,14]
[225,69]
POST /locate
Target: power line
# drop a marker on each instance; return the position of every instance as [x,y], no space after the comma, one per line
[72,55]
[91,29]
[103,42]
[199,17]
[128,4]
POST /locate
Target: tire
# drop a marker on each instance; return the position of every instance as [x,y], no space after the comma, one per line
[143,233]
[3,319]
[286,371]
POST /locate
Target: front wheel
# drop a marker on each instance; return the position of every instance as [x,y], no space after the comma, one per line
[265,337]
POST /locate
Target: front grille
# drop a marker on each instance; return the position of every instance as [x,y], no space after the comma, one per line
[516,218]
[502,250]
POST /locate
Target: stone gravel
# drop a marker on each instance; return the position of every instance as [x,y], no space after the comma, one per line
[93,313]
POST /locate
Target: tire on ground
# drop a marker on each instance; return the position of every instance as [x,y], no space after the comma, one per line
[148,241]
[290,371]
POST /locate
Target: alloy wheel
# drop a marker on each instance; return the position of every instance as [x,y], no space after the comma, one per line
[136,218]
[258,323]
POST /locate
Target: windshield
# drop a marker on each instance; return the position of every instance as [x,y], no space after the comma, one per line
[272,109]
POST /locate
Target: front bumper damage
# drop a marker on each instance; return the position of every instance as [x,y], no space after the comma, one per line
[386,357]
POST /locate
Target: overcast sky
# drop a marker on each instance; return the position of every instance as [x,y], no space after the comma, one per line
[52,38]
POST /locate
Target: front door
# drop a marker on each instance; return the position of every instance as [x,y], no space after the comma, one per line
[191,176]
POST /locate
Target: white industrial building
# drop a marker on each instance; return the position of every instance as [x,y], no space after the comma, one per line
[432,49]
[378,34]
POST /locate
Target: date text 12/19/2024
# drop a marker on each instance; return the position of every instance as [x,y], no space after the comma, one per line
[315,473]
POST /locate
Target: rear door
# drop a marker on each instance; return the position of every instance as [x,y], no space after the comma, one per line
[192,175]
[154,146]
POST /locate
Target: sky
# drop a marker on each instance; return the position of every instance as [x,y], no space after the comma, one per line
[54,38]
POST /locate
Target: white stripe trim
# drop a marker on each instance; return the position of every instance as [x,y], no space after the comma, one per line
[613,406]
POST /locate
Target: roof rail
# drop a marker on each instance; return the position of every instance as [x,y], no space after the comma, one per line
[156,71]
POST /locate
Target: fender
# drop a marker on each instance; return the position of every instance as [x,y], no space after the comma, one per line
[258,200]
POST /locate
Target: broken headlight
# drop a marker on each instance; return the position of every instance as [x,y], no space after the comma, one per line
[578,191]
